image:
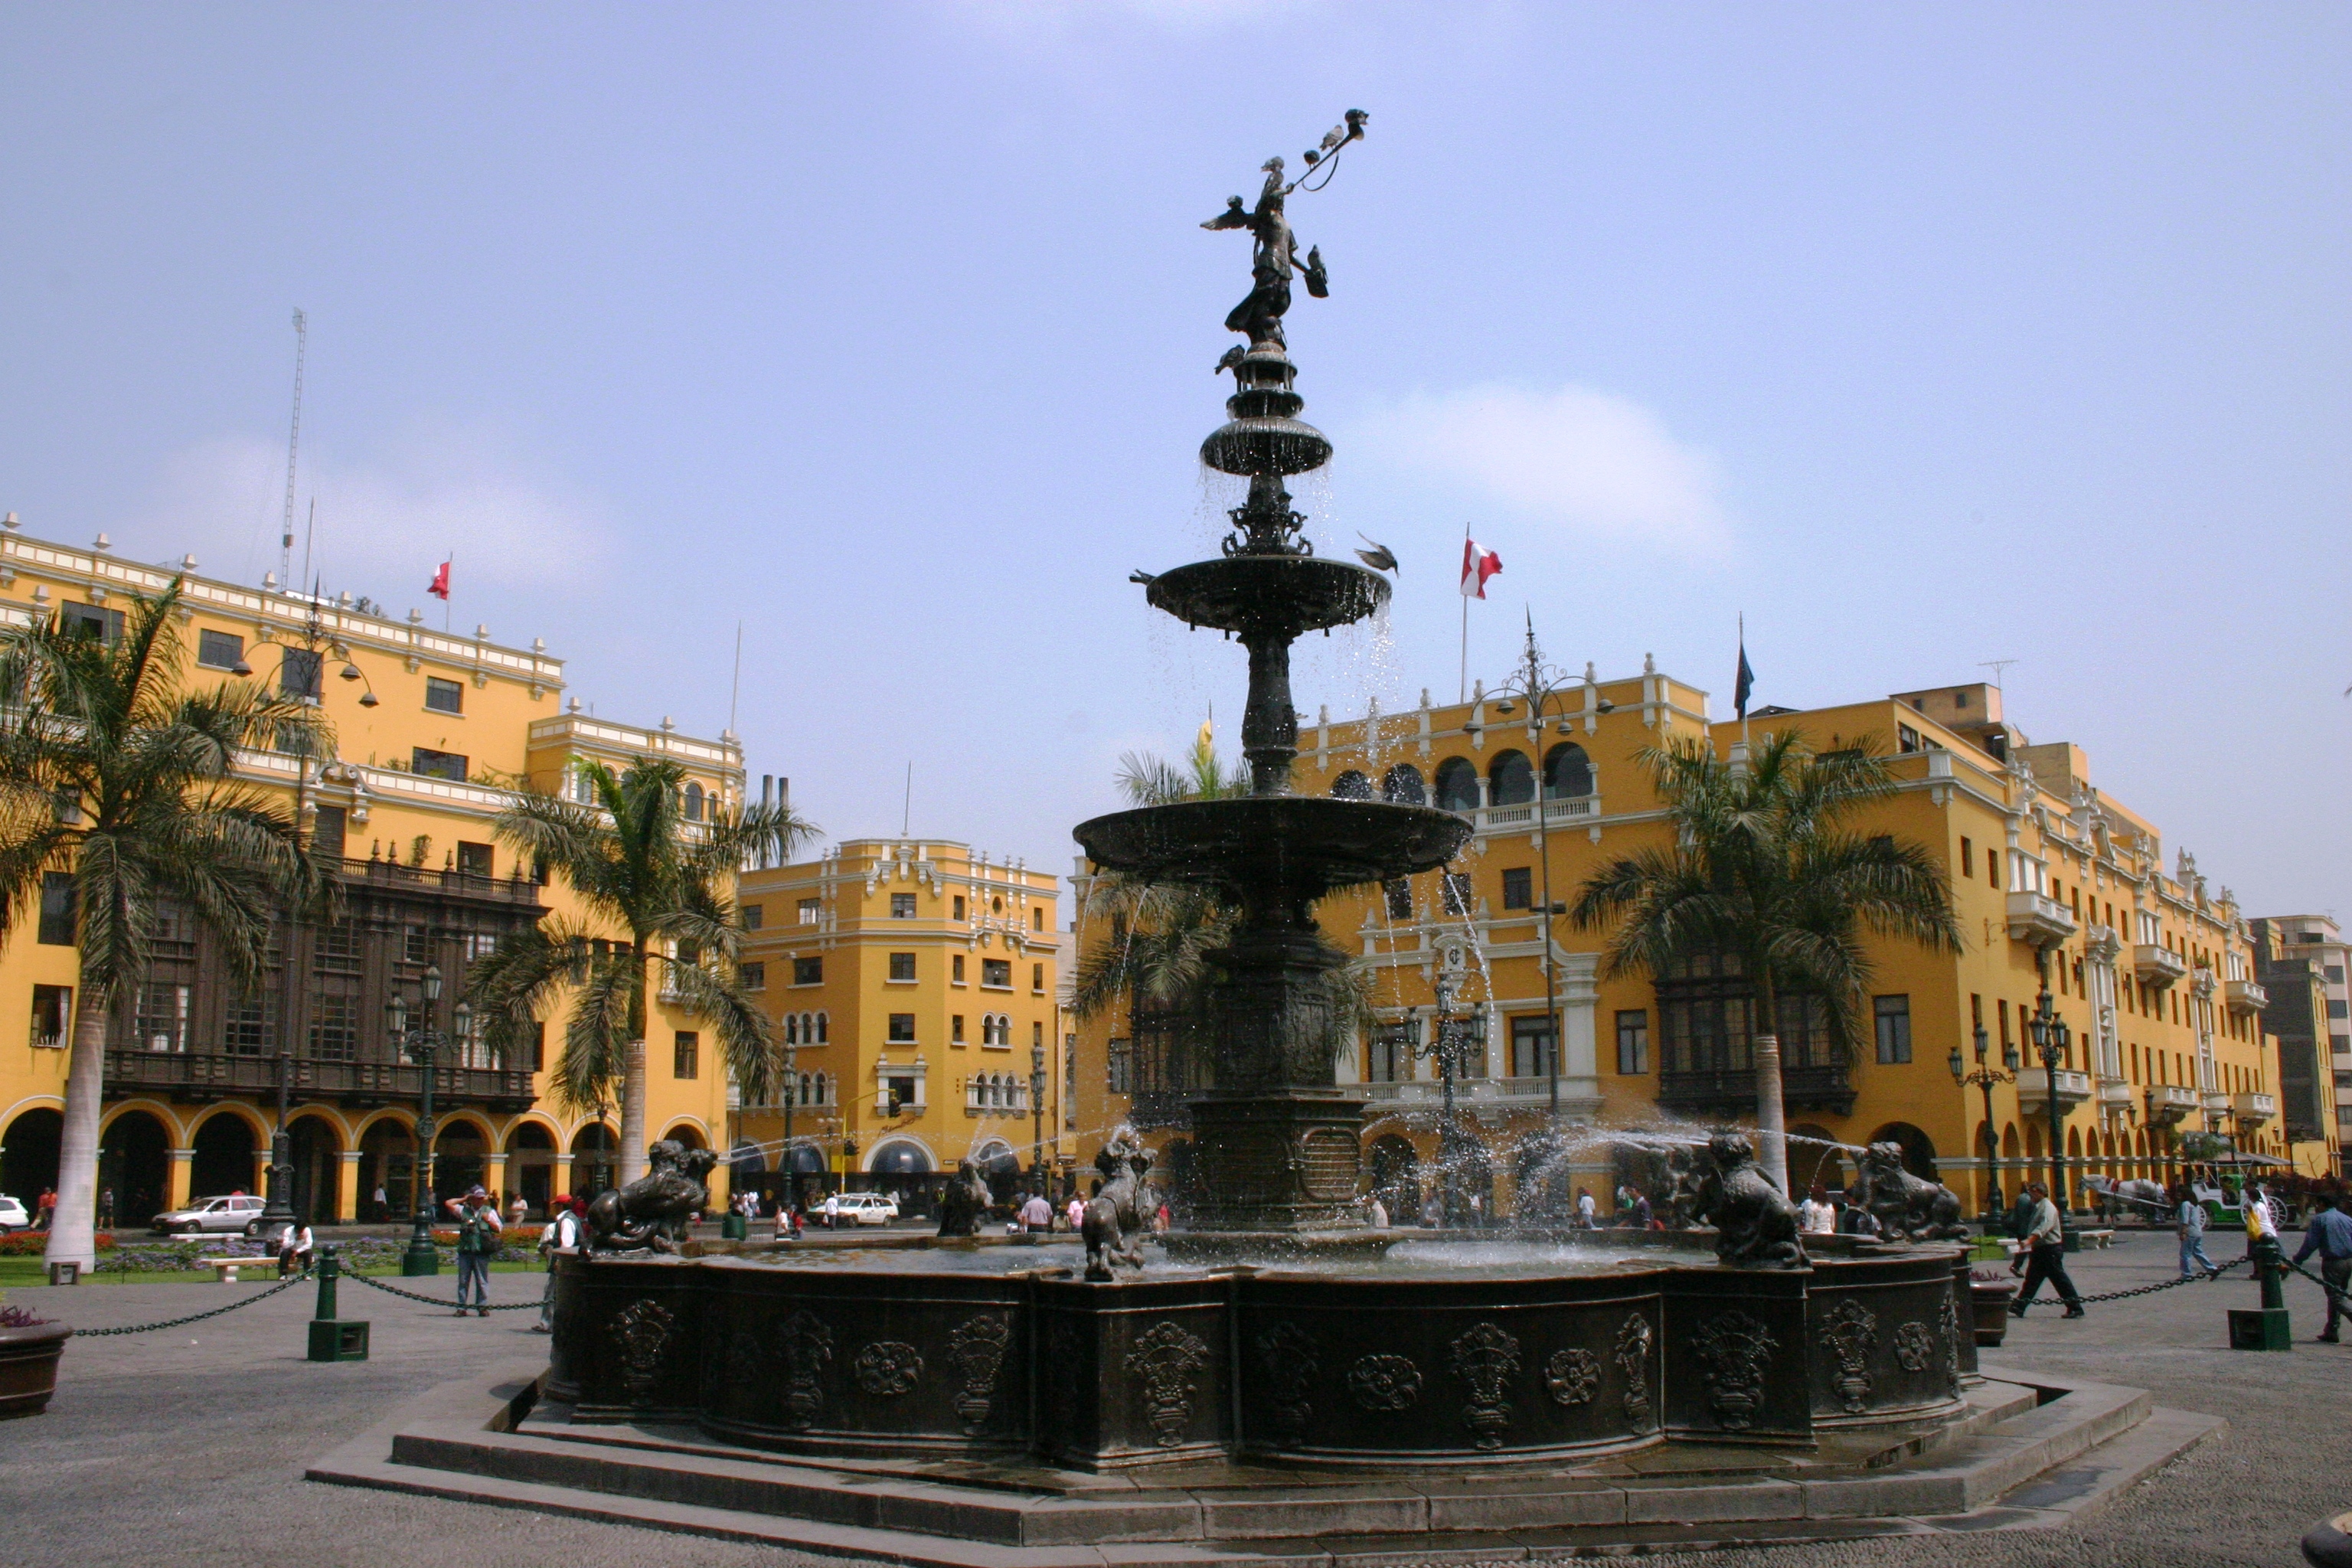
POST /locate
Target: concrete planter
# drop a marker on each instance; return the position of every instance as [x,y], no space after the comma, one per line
[1991,1302]
[28,1367]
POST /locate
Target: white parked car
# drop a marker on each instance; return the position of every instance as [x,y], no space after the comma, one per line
[240,1213]
[13,1215]
[867,1208]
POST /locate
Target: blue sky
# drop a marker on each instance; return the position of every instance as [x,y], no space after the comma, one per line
[1926,335]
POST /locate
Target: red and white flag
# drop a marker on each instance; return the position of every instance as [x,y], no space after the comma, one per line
[1477,565]
[439,587]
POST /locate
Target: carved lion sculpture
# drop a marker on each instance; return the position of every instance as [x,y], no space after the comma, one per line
[962,1201]
[1114,1222]
[1755,1222]
[649,1215]
[1906,1207]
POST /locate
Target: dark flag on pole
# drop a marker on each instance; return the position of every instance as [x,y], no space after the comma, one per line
[1747,681]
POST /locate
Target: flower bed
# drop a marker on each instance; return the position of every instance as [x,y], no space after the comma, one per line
[33,1242]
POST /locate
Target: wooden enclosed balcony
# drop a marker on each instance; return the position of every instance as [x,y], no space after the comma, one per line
[1732,1091]
[199,1076]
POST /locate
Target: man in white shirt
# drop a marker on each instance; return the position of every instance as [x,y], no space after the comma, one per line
[1816,1216]
[1587,1212]
[294,1248]
[2047,1236]
[562,1235]
[832,1210]
[1037,1215]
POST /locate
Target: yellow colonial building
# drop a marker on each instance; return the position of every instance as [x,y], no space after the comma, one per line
[2149,964]
[918,985]
[434,733]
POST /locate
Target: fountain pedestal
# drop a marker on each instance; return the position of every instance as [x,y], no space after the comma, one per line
[1277,1161]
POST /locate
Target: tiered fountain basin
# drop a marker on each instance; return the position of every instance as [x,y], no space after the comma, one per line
[1452,1354]
[1300,845]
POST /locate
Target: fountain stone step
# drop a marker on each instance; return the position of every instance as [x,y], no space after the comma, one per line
[2024,1457]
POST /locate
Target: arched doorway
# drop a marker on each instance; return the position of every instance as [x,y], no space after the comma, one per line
[531,1165]
[747,1171]
[687,1136]
[594,1158]
[1396,1176]
[903,1169]
[312,1148]
[133,1161]
[1473,1179]
[28,1154]
[1814,1159]
[1918,1148]
[999,1167]
[225,1147]
[458,1156]
[387,1172]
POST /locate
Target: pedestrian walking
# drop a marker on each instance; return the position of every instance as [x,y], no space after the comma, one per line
[1077,1213]
[477,1242]
[294,1249]
[832,1210]
[2329,1234]
[2021,1226]
[383,1203]
[562,1235]
[2048,1237]
[2189,1223]
[48,1209]
[1587,1212]
[518,1211]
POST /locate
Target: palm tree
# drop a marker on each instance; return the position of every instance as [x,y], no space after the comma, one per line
[637,864]
[1761,869]
[114,776]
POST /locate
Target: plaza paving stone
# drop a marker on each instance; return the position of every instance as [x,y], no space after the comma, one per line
[189,1445]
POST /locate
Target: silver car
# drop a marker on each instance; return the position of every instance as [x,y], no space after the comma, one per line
[241,1212]
[11,1215]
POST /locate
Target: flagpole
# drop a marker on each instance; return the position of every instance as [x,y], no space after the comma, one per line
[1462,692]
[1743,654]
[445,606]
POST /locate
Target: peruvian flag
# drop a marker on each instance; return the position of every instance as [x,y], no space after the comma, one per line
[439,587]
[1477,565]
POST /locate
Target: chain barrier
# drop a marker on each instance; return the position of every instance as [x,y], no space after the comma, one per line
[2333,1292]
[443,1300]
[198,1317]
[2138,1290]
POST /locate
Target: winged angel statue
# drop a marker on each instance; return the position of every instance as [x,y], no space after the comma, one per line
[1272,261]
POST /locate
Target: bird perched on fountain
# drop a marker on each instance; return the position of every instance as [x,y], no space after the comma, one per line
[1350,128]
[1380,557]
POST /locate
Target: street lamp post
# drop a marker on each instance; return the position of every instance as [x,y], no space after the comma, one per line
[1984,1077]
[277,1208]
[2050,1039]
[1038,1115]
[423,1046]
[792,1166]
[1450,1041]
[1538,684]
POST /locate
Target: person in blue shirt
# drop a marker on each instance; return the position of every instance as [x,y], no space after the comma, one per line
[2329,1234]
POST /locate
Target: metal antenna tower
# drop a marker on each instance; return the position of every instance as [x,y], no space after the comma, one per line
[1999,667]
[293,446]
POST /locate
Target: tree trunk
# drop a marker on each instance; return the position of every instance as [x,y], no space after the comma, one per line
[72,1231]
[1771,1123]
[633,1080]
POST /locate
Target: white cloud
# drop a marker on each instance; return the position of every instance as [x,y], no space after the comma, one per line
[1591,462]
[384,524]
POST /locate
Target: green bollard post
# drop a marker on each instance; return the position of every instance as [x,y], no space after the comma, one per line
[2267,1327]
[331,1339]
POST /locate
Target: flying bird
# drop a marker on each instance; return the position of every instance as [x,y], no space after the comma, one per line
[1380,557]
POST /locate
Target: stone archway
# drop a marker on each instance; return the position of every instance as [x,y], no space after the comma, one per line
[387,1172]
[1814,1159]
[226,1146]
[596,1154]
[531,1165]
[28,1154]
[459,1155]
[134,1163]
[1918,1148]
[313,1148]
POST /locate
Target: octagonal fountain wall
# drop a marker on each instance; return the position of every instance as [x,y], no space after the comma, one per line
[989,1356]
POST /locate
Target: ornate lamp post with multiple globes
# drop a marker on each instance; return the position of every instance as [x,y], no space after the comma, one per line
[1984,1077]
[423,1046]
[2050,1039]
[1037,1114]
